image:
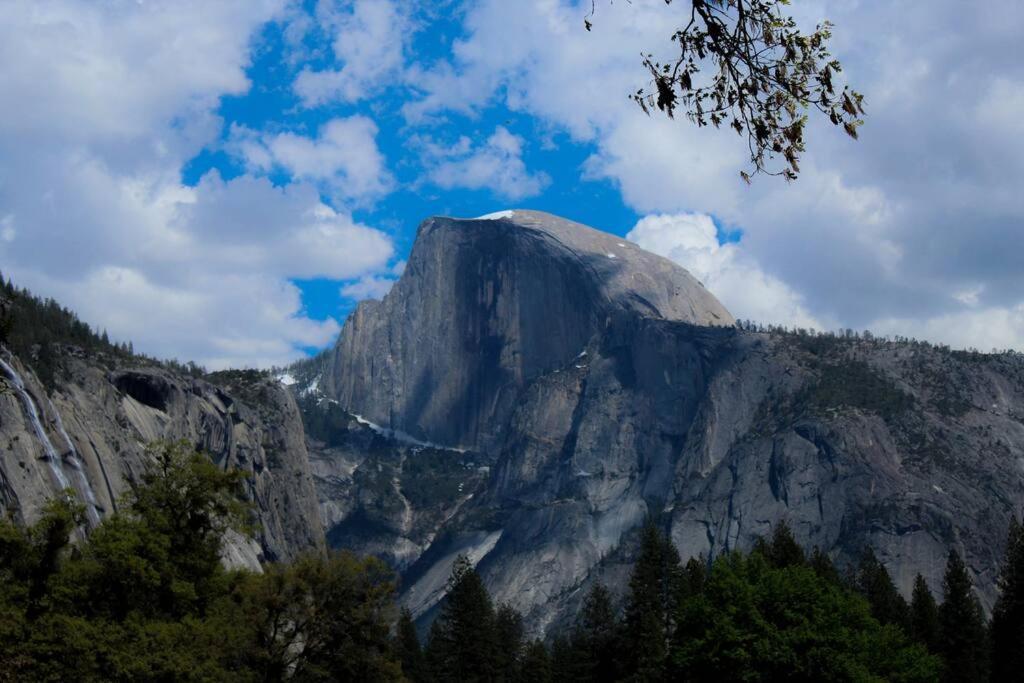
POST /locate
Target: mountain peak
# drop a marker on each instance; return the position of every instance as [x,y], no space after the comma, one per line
[626,274]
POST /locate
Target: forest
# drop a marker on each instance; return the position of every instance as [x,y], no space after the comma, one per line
[145,596]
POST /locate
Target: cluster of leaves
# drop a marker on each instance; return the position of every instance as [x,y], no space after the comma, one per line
[747,65]
[146,597]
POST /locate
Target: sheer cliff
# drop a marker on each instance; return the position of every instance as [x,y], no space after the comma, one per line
[593,384]
[90,430]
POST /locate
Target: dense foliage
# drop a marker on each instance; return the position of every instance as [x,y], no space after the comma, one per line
[773,614]
[146,597]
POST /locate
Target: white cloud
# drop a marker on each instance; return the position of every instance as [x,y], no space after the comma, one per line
[925,206]
[496,165]
[136,82]
[997,328]
[367,287]
[369,43]
[343,158]
[691,240]
[103,104]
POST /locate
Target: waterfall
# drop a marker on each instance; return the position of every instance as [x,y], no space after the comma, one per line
[50,454]
[92,506]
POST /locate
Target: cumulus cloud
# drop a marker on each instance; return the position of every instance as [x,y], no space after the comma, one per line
[496,164]
[343,157]
[691,240]
[369,40]
[367,287]
[893,227]
[106,104]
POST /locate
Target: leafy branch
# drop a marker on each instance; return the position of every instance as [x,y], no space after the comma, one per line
[745,64]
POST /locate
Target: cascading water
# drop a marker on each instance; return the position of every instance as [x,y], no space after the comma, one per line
[77,464]
[50,454]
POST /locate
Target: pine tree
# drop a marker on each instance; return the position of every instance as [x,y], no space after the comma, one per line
[874,583]
[1008,612]
[781,550]
[963,642]
[924,616]
[463,641]
[408,650]
[823,566]
[536,667]
[509,635]
[564,665]
[650,608]
[594,639]
[695,574]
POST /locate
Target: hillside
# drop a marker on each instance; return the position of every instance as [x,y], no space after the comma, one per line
[595,405]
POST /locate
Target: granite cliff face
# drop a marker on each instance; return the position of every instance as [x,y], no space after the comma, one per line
[596,384]
[487,306]
[527,394]
[91,430]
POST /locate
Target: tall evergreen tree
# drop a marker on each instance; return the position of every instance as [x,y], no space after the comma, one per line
[536,667]
[564,666]
[781,549]
[924,616]
[408,649]
[463,640]
[509,636]
[1008,612]
[757,622]
[963,643]
[823,566]
[872,580]
[595,637]
[650,607]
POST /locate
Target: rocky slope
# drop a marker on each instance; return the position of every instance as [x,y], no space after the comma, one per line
[528,393]
[601,384]
[90,431]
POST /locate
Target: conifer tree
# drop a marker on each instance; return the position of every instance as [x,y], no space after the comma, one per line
[963,643]
[536,667]
[1008,612]
[463,641]
[564,666]
[823,566]
[650,607]
[781,550]
[872,580]
[509,635]
[595,638]
[408,649]
[695,574]
[924,615]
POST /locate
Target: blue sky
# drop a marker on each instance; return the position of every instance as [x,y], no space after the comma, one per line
[222,181]
[272,104]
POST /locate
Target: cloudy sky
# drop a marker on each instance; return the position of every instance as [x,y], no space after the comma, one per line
[220,180]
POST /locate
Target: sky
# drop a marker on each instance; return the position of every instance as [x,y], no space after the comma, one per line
[222,180]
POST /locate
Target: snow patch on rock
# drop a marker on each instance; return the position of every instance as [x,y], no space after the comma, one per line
[497,215]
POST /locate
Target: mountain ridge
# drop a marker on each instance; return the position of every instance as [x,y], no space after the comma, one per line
[512,400]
